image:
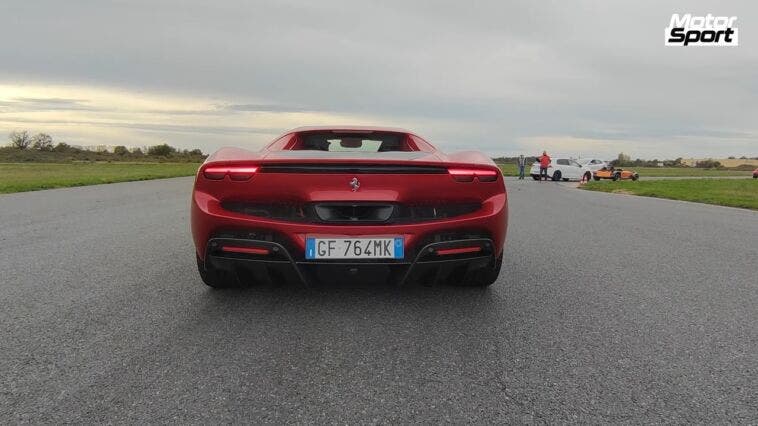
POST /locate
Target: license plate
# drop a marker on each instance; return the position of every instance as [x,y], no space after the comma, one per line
[354,248]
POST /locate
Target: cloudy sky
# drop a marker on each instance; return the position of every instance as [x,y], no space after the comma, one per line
[504,77]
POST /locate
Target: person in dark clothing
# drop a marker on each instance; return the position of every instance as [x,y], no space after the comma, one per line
[521,165]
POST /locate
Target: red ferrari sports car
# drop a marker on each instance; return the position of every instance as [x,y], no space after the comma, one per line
[329,203]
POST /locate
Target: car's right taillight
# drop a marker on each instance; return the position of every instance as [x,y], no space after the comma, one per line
[468,175]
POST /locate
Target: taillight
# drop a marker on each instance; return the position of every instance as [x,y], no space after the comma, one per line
[215,173]
[458,250]
[468,175]
[246,250]
[238,173]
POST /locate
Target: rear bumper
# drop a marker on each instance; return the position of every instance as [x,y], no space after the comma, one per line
[210,220]
[432,263]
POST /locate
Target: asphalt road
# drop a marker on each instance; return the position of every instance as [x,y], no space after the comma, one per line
[609,308]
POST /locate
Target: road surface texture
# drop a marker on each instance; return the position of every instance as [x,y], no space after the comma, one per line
[609,308]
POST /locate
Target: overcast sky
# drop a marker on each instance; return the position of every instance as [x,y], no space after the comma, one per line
[575,78]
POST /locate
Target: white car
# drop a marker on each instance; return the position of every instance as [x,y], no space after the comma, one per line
[562,168]
[592,164]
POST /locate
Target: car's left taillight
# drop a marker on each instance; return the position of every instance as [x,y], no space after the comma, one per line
[236,173]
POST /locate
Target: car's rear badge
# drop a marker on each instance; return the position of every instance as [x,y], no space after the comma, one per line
[355,184]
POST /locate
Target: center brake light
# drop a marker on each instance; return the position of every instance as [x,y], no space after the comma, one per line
[237,173]
[468,175]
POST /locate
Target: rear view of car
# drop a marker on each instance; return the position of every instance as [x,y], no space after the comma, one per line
[562,169]
[323,204]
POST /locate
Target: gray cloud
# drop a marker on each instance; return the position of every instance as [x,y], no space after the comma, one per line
[498,72]
[261,108]
[44,104]
[50,101]
[152,127]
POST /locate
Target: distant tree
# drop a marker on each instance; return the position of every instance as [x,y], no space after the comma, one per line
[743,158]
[731,157]
[120,150]
[622,160]
[20,140]
[196,152]
[62,147]
[162,150]
[137,151]
[708,164]
[42,142]
[673,163]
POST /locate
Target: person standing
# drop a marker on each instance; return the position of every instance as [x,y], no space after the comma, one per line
[521,165]
[544,164]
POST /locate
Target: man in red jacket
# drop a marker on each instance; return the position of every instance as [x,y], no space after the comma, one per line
[544,164]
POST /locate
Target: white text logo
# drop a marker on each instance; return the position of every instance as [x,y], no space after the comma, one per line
[709,30]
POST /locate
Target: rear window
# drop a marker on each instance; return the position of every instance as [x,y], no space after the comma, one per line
[352,142]
[563,162]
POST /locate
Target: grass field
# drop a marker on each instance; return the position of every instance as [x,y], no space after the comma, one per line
[725,192]
[18,177]
[686,171]
[512,170]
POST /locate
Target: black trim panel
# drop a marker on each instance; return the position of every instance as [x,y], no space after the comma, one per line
[352,168]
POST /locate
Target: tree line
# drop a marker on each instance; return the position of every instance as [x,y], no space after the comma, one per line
[42,147]
[624,160]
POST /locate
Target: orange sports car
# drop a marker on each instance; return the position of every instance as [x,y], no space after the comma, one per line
[611,172]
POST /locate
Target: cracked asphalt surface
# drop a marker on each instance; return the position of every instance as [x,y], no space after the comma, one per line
[608,309]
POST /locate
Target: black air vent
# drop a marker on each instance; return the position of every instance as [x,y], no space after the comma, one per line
[364,212]
[282,211]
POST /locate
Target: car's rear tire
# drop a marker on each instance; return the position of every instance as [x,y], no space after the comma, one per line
[595,177]
[536,177]
[556,176]
[635,177]
[215,278]
[485,276]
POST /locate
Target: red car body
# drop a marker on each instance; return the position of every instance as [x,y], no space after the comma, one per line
[253,213]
